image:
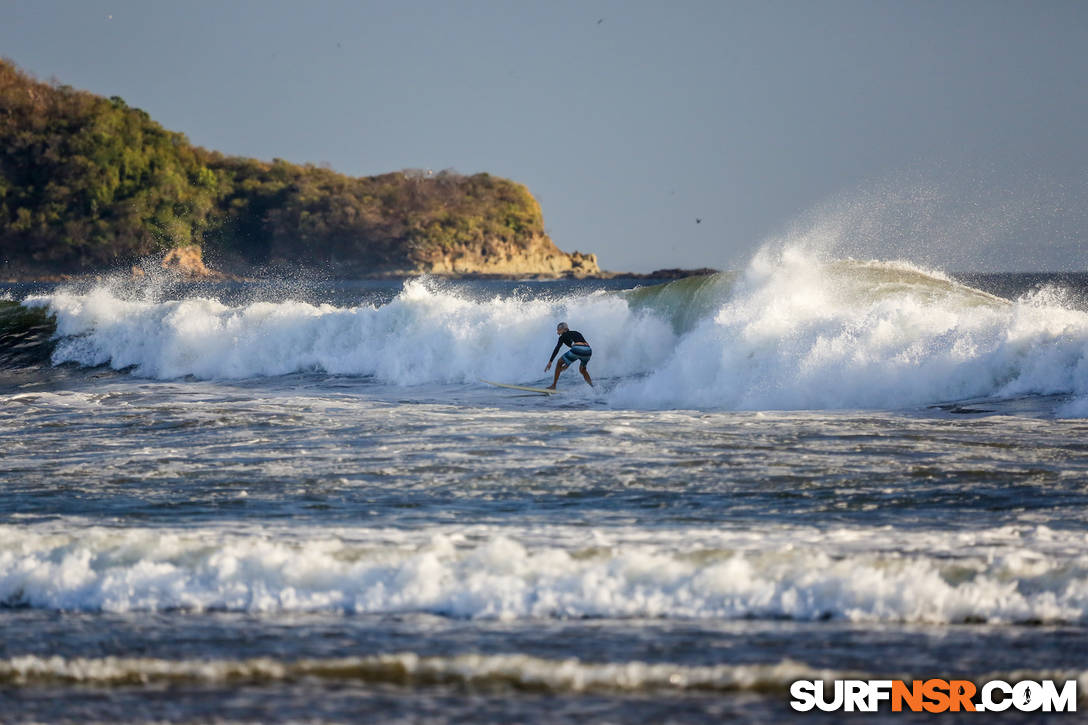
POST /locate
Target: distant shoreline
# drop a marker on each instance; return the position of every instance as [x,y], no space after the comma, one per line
[661,275]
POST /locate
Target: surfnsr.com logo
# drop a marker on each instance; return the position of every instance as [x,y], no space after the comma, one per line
[934,695]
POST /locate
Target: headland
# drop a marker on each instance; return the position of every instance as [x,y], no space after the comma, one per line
[90,185]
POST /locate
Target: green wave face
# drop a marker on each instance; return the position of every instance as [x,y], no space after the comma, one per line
[683,302]
[26,334]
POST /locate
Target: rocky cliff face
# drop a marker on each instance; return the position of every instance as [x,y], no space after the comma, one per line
[539,257]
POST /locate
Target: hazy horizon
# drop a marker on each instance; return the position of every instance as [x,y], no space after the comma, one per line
[945,134]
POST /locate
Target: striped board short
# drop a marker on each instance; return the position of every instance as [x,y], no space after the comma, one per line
[581,353]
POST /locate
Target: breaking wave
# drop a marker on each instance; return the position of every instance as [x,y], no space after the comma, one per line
[1001,575]
[791,332]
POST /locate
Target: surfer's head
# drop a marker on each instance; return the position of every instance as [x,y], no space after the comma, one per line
[561,328]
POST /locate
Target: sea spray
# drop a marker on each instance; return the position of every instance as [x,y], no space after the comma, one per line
[802,333]
[424,335]
[794,331]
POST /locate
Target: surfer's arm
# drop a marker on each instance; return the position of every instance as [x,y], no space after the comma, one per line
[554,353]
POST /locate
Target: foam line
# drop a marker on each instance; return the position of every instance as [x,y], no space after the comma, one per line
[845,575]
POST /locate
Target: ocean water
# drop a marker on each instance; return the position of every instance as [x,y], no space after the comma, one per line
[296,501]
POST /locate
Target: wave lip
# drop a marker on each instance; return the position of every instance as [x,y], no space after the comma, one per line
[801,333]
[1015,578]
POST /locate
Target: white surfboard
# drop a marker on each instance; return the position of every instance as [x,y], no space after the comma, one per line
[542,391]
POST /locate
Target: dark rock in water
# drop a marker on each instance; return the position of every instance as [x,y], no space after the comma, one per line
[958,409]
[674,273]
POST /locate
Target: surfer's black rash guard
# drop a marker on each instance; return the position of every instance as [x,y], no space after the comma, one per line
[568,338]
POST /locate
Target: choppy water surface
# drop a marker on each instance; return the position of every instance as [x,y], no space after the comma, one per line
[258,503]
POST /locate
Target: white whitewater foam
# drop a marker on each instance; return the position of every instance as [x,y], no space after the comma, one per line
[422,336]
[864,575]
[795,332]
[804,334]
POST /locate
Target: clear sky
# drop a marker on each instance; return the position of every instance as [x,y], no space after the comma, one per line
[949,133]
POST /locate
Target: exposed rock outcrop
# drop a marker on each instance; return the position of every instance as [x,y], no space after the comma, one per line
[189,262]
[539,257]
[186,262]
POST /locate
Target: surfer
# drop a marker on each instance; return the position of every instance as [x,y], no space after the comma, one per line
[579,350]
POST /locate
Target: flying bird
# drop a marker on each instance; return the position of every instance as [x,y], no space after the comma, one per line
[698,220]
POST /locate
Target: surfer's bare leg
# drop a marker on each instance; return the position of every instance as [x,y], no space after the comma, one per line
[559,367]
[585,374]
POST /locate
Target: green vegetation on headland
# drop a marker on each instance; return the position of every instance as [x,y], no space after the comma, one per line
[89,183]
